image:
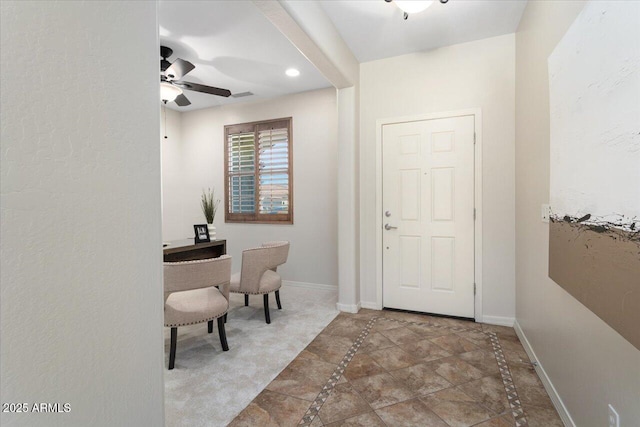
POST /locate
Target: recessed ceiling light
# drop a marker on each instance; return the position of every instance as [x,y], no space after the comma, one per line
[292,72]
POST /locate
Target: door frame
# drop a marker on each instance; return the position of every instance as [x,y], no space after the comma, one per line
[477,154]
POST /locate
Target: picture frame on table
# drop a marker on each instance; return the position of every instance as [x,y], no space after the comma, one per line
[202,233]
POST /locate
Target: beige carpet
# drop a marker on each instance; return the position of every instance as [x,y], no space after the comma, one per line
[209,387]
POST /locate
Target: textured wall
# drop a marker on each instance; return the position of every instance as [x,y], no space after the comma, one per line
[589,363]
[81,284]
[594,98]
[313,257]
[469,75]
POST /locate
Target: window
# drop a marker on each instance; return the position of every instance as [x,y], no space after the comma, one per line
[258,172]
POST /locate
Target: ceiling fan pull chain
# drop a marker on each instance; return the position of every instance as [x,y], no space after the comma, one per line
[164,111]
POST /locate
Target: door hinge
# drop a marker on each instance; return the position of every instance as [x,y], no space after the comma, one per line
[474,288]
[474,214]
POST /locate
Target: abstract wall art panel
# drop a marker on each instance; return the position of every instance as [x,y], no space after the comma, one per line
[594,95]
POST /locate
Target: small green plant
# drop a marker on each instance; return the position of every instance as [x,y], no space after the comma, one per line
[209,205]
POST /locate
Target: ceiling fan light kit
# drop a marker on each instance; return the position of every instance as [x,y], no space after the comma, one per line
[171,87]
[168,92]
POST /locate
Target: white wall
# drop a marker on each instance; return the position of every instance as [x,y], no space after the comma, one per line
[81,275]
[477,74]
[313,257]
[589,363]
[174,203]
[348,221]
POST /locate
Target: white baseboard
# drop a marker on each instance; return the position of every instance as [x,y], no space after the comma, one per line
[499,320]
[348,308]
[546,381]
[370,305]
[307,285]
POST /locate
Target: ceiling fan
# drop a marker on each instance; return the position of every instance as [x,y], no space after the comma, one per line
[170,84]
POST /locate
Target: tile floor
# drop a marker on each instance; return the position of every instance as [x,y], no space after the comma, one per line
[387,368]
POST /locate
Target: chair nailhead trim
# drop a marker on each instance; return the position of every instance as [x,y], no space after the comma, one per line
[253,293]
[195,323]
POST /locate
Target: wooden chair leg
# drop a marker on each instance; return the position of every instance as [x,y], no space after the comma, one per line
[172,351]
[223,335]
[210,326]
[278,299]
[246,300]
[266,308]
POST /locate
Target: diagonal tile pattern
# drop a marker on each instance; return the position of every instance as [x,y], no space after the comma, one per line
[389,368]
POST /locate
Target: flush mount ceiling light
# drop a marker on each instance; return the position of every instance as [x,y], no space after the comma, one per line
[413,6]
[169,92]
[409,6]
[292,72]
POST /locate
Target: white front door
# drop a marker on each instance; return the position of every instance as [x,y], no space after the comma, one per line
[428,216]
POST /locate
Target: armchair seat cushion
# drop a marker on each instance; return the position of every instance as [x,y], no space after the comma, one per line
[194,306]
[269,282]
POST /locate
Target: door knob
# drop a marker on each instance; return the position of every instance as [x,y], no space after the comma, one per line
[387,214]
[389,227]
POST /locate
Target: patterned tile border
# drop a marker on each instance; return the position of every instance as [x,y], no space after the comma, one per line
[313,410]
[509,387]
[507,380]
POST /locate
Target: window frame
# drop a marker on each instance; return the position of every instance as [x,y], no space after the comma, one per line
[257,217]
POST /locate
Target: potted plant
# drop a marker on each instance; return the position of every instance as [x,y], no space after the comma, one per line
[209,208]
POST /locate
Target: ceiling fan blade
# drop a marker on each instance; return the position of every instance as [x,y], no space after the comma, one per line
[182,100]
[178,69]
[204,89]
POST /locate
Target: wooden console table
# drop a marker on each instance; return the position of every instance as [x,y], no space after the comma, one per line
[187,250]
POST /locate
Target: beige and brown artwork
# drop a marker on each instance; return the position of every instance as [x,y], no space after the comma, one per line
[594,100]
[601,269]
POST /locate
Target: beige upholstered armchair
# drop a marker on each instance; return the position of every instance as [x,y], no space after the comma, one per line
[258,273]
[195,292]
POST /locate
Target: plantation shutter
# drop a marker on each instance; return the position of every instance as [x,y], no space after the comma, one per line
[273,155]
[258,172]
[241,169]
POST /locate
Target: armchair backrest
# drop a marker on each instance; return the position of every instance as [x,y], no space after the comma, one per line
[204,273]
[256,261]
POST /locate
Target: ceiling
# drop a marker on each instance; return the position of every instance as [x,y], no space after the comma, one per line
[375,29]
[234,46]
